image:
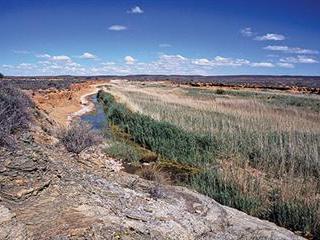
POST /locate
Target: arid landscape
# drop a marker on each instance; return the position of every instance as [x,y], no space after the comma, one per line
[255,150]
[159,120]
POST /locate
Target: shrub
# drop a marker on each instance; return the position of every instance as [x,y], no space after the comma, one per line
[220,91]
[123,151]
[1,75]
[15,113]
[79,136]
[153,173]
[156,192]
[39,83]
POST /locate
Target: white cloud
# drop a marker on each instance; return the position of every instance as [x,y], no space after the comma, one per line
[172,57]
[287,49]
[45,55]
[165,45]
[129,60]
[135,10]
[202,61]
[25,66]
[44,62]
[7,66]
[60,58]
[262,64]
[233,62]
[270,36]
[285,65]
[117,28]
[247,32]
[88,55]
[164,64]
[299,59]
[223,61]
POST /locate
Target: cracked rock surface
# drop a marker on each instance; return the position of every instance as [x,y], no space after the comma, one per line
[47,193]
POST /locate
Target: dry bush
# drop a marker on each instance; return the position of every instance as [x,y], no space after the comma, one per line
[79,136]
[40,83]
[154,173]
[156,192]
[15,114]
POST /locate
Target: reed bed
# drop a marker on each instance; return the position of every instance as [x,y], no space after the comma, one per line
[264,150]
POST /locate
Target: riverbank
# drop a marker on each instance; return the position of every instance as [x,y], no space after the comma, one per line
[64,105]
[85,103]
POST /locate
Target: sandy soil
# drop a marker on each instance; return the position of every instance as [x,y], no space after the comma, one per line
[64,105]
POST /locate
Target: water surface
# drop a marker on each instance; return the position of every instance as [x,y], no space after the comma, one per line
[97,117]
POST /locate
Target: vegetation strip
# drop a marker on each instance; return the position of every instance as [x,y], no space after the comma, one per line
[199,150]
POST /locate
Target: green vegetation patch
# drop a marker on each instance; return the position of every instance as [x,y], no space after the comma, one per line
[213,184]
[191,157]
[163,138]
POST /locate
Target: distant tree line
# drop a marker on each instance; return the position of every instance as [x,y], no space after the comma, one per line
[1,75]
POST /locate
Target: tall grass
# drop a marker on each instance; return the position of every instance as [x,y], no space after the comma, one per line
[162,137]
[280,143]
[256,157]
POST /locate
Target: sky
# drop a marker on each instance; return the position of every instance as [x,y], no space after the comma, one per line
[121,37]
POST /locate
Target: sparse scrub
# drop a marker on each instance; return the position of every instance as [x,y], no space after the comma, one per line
[15,114]
[124,151]
[79,136]
[153,173]
[156,192]
[220,91]
[41,83]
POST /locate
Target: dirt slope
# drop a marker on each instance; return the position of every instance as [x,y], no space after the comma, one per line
[61,104]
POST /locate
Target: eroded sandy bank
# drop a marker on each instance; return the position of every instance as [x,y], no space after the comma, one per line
[66,104]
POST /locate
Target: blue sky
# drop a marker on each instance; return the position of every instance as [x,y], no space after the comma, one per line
[93,37]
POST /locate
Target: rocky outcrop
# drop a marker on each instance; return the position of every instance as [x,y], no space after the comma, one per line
[47,193]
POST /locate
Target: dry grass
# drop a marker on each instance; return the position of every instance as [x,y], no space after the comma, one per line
[267,151]
[243,126]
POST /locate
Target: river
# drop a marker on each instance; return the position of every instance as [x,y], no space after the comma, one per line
[97,117]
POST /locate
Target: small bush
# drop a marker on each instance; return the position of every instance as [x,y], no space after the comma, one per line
[153,173]
[79,136]
[156,192]
[220,91]
[123,151]
[15,113]
[1,75]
